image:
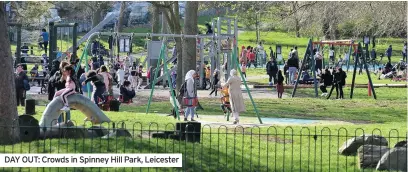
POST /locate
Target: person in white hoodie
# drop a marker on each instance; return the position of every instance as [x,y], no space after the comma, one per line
[121,76]
[190,93]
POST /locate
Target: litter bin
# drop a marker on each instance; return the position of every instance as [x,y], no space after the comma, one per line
[29,106]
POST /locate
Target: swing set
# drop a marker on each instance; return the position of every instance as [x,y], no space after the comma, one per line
[360,54]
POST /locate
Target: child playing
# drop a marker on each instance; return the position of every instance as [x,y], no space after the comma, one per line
[279,85]
[139,77]
[243,69]
[69,87]
[225,102]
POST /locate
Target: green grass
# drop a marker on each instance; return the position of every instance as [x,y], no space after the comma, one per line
[275,148]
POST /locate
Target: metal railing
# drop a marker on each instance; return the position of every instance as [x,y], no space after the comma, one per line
[207,147]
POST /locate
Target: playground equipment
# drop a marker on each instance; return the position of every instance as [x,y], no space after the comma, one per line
[77,101]
[53,32]
[360,54]
[332,43]
[218,45]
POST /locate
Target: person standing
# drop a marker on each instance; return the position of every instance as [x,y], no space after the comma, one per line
[272,70]
[295,52]
[342,77]
[190,94]
[389,53]
[45,39]
[279,84]
[293,64]
[21,80]
[121,76]
[236,98]
[107,78]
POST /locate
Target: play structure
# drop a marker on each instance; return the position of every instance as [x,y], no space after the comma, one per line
[77,101]
[309,57]
[62,32]
[214,49]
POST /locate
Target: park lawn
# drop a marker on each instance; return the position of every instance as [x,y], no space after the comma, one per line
[390,106]
[234,149]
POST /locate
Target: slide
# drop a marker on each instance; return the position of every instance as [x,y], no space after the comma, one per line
[76,101]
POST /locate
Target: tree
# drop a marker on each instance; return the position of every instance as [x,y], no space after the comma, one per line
[189,44]
[97,8]
[8,106]
[156,22]
[171,12]
[119,27]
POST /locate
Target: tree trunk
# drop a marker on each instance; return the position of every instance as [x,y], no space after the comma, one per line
[156,22]
[96,17]
[119,27]
[257,28]
[8,112]
[179,46]
[189,44]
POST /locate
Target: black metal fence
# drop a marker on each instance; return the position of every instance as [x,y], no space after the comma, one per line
[220,148]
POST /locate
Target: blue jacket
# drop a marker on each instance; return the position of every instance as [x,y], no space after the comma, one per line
[389,51]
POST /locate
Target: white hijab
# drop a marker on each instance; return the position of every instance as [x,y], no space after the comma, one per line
[233,72]
[189,75]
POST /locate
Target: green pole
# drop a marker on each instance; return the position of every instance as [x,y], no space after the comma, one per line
[173,97]
[300,69]
[85,55]
[314,70]
[234,55]
[349,54]
[368,72]
[74,38]
[155,78]
[358,54]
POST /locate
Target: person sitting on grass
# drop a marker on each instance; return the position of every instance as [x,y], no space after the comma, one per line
[127,92]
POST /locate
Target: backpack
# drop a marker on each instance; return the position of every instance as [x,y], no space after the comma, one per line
[183,89]
[26,85]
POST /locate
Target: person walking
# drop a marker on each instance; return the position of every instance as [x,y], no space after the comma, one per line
[45,38]
[215,83]
[279,84]
[190,94]
[389,53]
[236,98]
[272,70]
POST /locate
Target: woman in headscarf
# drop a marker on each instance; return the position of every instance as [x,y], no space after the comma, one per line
[190,93]
[236,99]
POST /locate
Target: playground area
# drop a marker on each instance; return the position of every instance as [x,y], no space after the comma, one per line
[270,102]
